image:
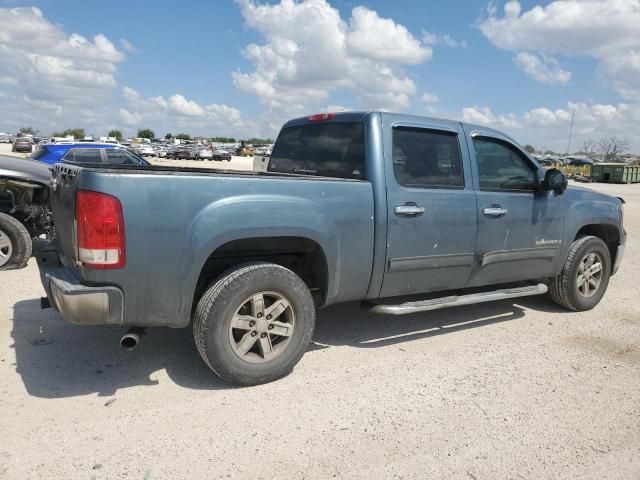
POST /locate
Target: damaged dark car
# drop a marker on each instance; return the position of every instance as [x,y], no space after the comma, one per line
[24,209]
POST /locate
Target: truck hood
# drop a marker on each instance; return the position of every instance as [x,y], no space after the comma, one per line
[583,193]
[16,168]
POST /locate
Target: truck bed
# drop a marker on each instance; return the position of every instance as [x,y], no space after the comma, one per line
[175,218]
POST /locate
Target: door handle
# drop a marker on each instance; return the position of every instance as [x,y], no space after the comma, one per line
[410,210]
[495,211]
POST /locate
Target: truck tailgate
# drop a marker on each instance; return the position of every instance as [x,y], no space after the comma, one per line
[63,196]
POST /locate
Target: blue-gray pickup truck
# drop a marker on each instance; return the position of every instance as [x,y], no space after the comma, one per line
[406,214]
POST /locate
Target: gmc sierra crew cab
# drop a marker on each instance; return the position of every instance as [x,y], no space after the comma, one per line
[406,214]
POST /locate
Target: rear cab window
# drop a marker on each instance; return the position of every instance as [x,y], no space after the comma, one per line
[327,149]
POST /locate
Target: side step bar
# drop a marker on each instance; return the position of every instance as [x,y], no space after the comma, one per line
[458,300]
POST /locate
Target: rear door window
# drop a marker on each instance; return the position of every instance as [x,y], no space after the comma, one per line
[324,149]
[427,158]
[83,155]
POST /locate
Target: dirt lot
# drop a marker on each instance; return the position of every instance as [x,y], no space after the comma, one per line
[505,390]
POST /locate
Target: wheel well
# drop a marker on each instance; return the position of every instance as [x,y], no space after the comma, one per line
[607,233]
[300,255]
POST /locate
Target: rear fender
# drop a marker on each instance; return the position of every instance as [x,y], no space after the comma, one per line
[251,216]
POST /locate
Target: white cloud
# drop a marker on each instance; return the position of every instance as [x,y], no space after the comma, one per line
[430,38]
[178,112]
[383,39]
[484,116]
[48,71]
[549,128]
[129,118]
[310,51]
[128,46]
[542,68]
[606,30]
[429,97]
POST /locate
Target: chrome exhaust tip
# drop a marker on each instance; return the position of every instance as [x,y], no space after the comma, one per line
[131,339]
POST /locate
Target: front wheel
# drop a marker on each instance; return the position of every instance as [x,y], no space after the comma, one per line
[15,243]
[585,275]
[254,323]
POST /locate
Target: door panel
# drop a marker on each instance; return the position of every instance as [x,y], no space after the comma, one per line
[519,230]
[431,214]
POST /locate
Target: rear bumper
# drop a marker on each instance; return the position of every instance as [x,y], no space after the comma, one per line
[79,303]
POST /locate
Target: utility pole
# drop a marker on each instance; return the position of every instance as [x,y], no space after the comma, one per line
[571,129]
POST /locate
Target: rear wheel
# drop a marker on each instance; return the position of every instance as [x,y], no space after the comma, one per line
[15,243]
[585,275]
[254,323]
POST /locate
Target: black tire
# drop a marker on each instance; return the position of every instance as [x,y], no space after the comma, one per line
[217,306]
[564,288]
[20,246]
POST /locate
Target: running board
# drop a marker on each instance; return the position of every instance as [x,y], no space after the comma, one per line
[459,300]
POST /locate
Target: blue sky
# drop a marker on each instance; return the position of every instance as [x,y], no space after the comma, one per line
[502,67]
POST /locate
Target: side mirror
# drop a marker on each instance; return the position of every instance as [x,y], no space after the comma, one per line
[554,180]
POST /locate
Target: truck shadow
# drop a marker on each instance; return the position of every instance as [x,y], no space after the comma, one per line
[57,359]
[353,326]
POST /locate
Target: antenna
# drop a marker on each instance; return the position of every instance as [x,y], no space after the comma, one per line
[573,112]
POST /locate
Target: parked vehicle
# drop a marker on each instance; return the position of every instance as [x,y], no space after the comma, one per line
[579,162]
[6,138]
[354,206]
[22,144]
[145,150]
[161,151]
[182,152]
[24,208]
[220,154]
[87,153]
[263,151]
[204,153]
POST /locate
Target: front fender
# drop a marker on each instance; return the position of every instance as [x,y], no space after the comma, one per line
[251,216]
[586,207]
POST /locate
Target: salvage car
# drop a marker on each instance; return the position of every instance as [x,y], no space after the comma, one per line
[405,213]
[52,153]
[24,209]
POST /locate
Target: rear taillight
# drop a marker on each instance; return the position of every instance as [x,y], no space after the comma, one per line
[321,117]
[100,230]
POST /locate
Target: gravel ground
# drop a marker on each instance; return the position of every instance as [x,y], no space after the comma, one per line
[505,390]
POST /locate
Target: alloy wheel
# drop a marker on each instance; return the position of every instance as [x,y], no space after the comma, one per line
[262,327]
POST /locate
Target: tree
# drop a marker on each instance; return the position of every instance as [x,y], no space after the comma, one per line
[71,132]
[28,131]
[223,140]
[183,136]
[168,136]
[589,148]
[117,134]
[612,148]
[260,141]
[146,133]
[531,150]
